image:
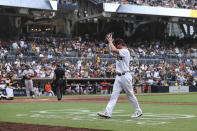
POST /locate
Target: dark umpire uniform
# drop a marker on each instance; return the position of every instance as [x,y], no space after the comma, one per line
[59,81]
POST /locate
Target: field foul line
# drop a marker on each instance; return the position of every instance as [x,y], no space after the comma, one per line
[88,115]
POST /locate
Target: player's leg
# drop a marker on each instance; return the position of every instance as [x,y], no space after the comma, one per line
[31,89]
[27,88]
[58,90]
[61,88]
[114,97]
[127,86]
[58,93]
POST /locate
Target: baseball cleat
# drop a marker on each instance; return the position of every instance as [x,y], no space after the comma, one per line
[137,115]
[103,114]
[3,97]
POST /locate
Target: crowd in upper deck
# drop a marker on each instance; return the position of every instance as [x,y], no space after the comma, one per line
[188,4]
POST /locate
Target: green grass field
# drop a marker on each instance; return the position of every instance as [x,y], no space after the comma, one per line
[162,117]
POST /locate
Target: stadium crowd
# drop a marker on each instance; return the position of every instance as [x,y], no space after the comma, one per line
[91,59]
[189,4]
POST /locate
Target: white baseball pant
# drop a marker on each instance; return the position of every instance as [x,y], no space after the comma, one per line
[29,87]
[122,82]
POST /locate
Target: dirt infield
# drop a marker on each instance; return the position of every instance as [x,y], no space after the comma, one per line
[5,126]
[99,99]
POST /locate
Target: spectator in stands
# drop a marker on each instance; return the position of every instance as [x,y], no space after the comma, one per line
[73,88]
[87,88]
[104,88]
[181,79]
[48,89]
[96,88]
[37,91]
[15,46]
[79,89]
[146,88]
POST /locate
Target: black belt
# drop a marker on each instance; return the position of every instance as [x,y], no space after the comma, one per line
[60,79]
[120,74]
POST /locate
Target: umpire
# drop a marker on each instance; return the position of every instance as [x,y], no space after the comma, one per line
[59,81]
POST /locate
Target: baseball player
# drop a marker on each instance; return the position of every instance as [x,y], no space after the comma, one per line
[28,74]
[123,78]
[9,90]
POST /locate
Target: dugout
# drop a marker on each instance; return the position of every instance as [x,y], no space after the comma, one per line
[159,89]
[40,82]
[192,88]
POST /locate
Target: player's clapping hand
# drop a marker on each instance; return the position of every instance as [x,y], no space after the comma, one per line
[109,38]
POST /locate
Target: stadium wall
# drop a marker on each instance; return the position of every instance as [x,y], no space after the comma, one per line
[152,89]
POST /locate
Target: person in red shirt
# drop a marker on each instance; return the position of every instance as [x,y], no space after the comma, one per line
[104,88]
[48,89]
[146,88]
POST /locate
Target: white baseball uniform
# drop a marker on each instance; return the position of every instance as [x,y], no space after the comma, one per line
[122,82]
[28,82]
[9,91]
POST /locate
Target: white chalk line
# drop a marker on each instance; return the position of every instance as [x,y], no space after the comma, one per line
[85,114]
